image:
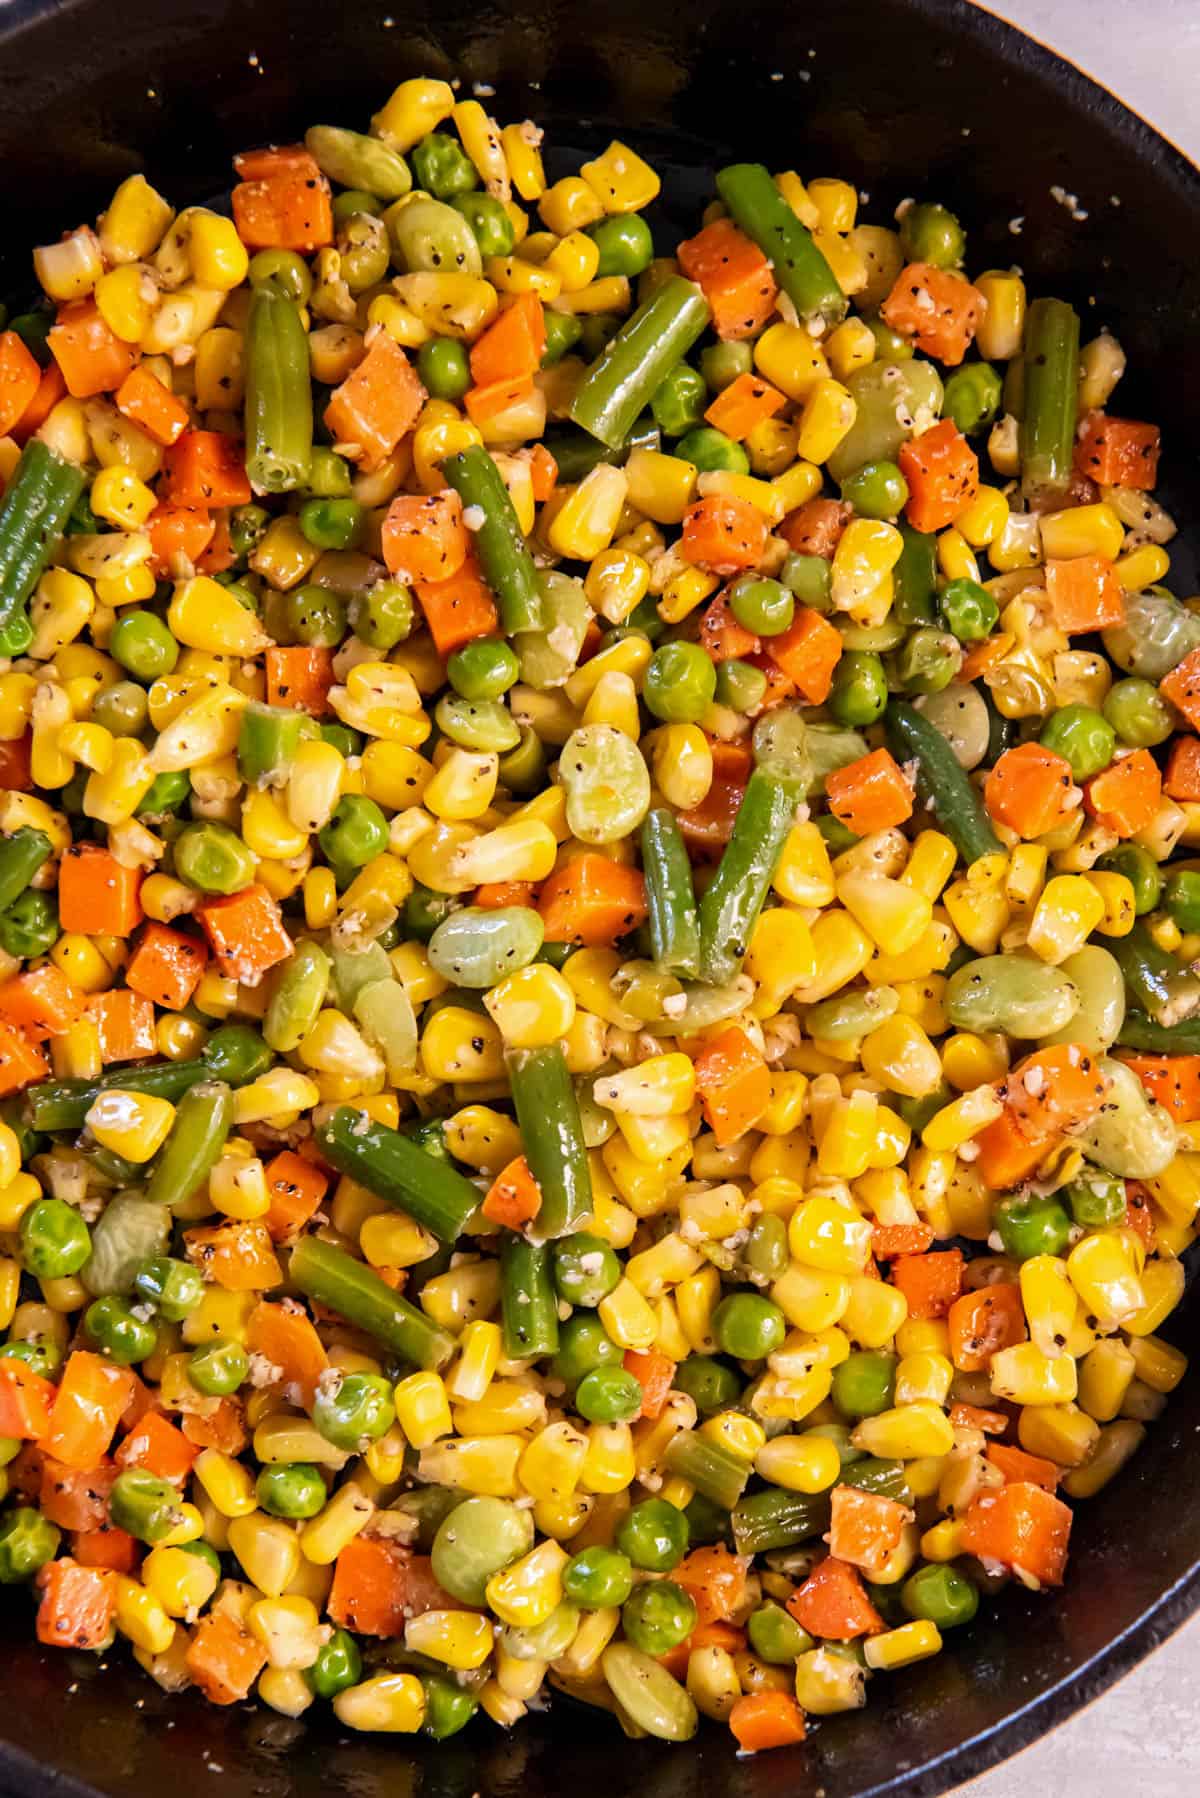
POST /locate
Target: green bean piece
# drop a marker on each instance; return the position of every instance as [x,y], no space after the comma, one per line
[879,1475]
[670,896]
[1157,981]
[632,366]
[1051,398]
[279,411]
[735,896]
[548,1115]
[528,1304]
[331,1277]
[37,503]
[21,855]
[775,1518]
[235,1054]
[1139,1031]
[758,207]
[203,1120]
[503,553]
[714,1470]
[397,1170]
[941,783]
[297,997]
[354,160]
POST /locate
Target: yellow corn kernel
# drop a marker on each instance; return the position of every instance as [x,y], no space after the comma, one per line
[1069,909]
[118,496]
[219,258]
[1104,1275]
[828,1236]
[134,224]
[908,1431]
[1061,1433]
[414,109]
[483,1138]
[792,360]
[464,785]
[827,1683]
[901,1647]
[346,1515]
[923,1375]
[1105,1374]
[1028,1377]
[956,1123]
[1157,1363]
[61,607]
[524,1594]
[899,1054]
[140,1617]
[423,1408]
[459,1639]
[1093,530]
[659,485]
[533,1007]
[1050,1302]
[850,347]
[982,522]
[1002,319]
[843,949]
[874,1312]
[290,1630]
[182,1583]
[131,1124]
[894,915]
[799,1463]
[1115,1445]
[523,159]
[388,1703]
[390,1239]
[1162,1285]
[268,1549]
[627,1315]
[1142,567]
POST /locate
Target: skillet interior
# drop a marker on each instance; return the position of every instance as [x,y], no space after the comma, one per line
[928,97]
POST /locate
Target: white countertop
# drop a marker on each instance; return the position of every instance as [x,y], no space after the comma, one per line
[1140,1735]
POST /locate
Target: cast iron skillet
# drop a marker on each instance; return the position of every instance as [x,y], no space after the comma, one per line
[925,97]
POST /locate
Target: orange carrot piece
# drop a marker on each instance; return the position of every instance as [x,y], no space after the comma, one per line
[865,1528]
[762,1720]
[815,528]
[78,1605]
[285,1336]
[222,1428]
[983,1322]
[747,402]
[654,1373]
[1031,789]
[87,1408]
[282,201]
[512,347]
[724,534]
[1083,593]
[296,1189]
[92,358]
[145,401]
[890,1240]
[20,378]
[870,794]
[1171,1080]
[722,636]
[734,276]
[224,1659]
[97,894]
[1007,1153]
[1021,1526]
[931,1282]
[707,827]
[1182,687]
[166,966]
[544,470]
[368,1591]
[25,1401]
[50,389]
[300,678]
[833,1604]
[158,1447]
[377,404]
[106,1546]
[203,470]
[424,537]
[42,1002]
[482,404]
[1181,780]
[514,1197]
[942,471]
[16,774]
[21,1061]
[808,651]
[459,609]
[1061,1088]
[238,1256]
[218,558]
[1117,452]
[1024,1469]
[125,1022]
[1125,796]
[245,931]
[716,1580]
[592,901]
[974,1417]
[734,1084]
[494,895]
[179,536]
[937,310]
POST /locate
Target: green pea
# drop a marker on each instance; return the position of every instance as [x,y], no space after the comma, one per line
[218,1368]
[710,1383]
[442,167]
[45,1357]
[329,475]
[608,1395]
[775,1636]
[929,661]
[1138,713]
[863,1384]
[286,269]
[213,858]
[859,692]
[448,1708]
[1181,897]
[658,1616]
[722,363]
[968,609]
[121,709]
[1140,870]
[809,578]
[165,794]
[586,1269]
[653,1535]
[117,1332]
[30,926]
[337,1666]
[173,1287]
[359,1410]
[141,643]
[940,1595]
[315,615]
[680,683]
[583,1344]
[761,604]
[494,230]
[679,402]
[972,397]
[712,451]
[382,616]
[931,233]
[356,833]
[247,526]
[563,332]
[444,367]
[484,669]
[740,686]
[291,1489]
[353,200]
[597,1578]
[626,245]
[480,1537]
[890,347]
[766,1250]
[331,524]
[55,1241]
[1037,1225]
[1097,1200]
[482,724]
[144,1505]
[1082,736]
[748,1327]
[876,490]
[27,1541]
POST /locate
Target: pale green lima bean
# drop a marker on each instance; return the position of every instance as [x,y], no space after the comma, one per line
[1130,1135]
[1013,993]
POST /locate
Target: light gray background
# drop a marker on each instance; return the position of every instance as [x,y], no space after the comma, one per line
[1141,1735]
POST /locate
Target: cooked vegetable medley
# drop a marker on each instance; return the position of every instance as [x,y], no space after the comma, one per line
[598,903]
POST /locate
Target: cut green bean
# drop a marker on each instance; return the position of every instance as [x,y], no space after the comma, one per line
[670,896]
[279,413]
[331,1277]
[1142,1032]
[203,1120]
[630,369]
[735,896]
[21,855]
[715,1471]
[758,207]
[499,542]
[234,1054]
[397,1169]
[1051,366]
[528,1302]
[1159,983]
[942,784]
[775,1518]
[548,1113]
[37,503]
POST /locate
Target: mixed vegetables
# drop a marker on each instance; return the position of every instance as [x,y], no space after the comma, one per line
[599,1035]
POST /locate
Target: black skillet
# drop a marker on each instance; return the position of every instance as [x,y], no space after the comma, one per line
[903,97]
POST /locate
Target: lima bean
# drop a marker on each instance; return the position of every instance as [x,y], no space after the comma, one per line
[548,1640]
[385,1011]
[1130,1135]
[830,748]
[429,237]
[479,1537]
[607,783]
[482,724]
[476,947]
[549,656]
[1101,986]
[353,969]
[704,1006]
[852,1014]
[886,394]
[1154,636]
[356,161]
[1013,993]
[128,1231]
[959,713]
[298,997]
[648,1694]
